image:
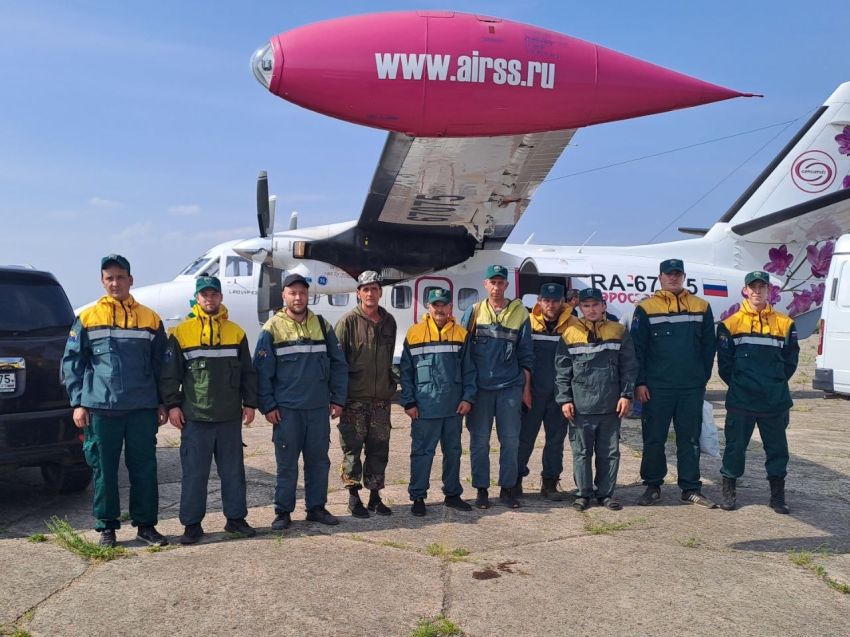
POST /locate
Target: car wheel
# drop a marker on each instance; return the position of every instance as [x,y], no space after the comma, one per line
[58,477]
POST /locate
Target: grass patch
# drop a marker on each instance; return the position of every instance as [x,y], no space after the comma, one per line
[333,489]
[438,627]
[357,537]
[21,633]
[464,452]
[805,559]
[594,526]
[171,443]
[67,537]
[125,517]
[692,543]
[2,529]
[395,545]
[37,537]
[453,555]
[400,481]
[159,549]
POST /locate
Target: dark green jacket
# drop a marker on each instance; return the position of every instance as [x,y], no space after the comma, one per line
[545,348]
[368,348]
[208,371]
[674,341]
[757,354]
[595,366]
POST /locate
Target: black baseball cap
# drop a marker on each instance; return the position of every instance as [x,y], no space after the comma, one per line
[292,279]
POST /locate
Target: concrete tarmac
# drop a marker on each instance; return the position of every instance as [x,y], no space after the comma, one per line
[544,569]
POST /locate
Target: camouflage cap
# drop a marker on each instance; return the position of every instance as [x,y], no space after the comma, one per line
[367,277]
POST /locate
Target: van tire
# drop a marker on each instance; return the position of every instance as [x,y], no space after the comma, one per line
[66,478]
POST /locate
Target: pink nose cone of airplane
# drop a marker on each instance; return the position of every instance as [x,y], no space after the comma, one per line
[441,73]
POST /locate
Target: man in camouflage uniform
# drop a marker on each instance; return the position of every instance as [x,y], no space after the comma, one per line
[367,336]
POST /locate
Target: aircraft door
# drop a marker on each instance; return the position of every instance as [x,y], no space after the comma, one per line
[421,288]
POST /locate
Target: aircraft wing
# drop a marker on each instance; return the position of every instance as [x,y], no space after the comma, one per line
[452,187]
[817,219]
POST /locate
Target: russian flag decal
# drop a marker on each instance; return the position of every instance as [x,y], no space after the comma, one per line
[714,287]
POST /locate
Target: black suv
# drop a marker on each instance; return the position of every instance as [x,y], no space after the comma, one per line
[36,424]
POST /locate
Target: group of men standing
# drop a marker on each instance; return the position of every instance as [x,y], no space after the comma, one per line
[576,376]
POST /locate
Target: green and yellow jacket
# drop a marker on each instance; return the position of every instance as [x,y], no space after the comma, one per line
[501,344]
[113,356]
[674,341]
[299,365]
[757,353]
[545,346]
[208,371]
[436,369]
[369,349]
[595,366]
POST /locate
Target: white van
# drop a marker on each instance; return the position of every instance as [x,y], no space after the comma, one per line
[832,365]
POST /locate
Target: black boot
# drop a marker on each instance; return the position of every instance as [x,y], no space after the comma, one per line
[518,487]
[355,505]
[730,494]
[376,505]
[777,496]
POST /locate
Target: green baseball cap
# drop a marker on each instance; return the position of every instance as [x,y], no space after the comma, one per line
[439,295]
[552,291]
[671,265]
[590,293]
[115,259]
[758,275]
[204,282]
[496,270]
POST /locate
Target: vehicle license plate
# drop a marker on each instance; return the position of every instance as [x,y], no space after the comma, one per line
[7,381]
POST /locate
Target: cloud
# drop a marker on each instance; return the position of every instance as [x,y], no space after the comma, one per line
[183,211]
[100,202]
[138,230]
[245,232]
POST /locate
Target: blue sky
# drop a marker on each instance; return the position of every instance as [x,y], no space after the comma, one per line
[138,128]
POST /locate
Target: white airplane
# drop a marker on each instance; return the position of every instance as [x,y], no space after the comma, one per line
[784,223]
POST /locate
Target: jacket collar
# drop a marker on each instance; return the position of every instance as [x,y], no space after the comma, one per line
[538,321]
[749,311]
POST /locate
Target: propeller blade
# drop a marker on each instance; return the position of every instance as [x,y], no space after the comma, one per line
[272,204]
[263,212]
[293,221]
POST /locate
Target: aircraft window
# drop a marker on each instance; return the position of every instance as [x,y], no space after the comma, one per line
[466,297]
[238,266]
[211,269]
[844,286]
[402,297]
[338,299]
[313,299]
[196,265]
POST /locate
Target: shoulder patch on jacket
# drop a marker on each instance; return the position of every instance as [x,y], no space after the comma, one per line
[73,337]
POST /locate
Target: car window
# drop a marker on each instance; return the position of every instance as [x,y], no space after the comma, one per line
[33,304]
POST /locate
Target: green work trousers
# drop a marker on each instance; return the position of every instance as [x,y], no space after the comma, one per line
[739,430]
[595,435]
[104,438]
[684,408]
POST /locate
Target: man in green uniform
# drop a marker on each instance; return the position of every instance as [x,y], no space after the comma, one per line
[437,390]
[549,318]
[209,386]
[503,353]
[112,365]
[367,336]
[757,353]
[301,378]
[673,334]
[595,371]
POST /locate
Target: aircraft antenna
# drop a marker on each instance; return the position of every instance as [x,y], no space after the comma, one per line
[586,241]
[527,241]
